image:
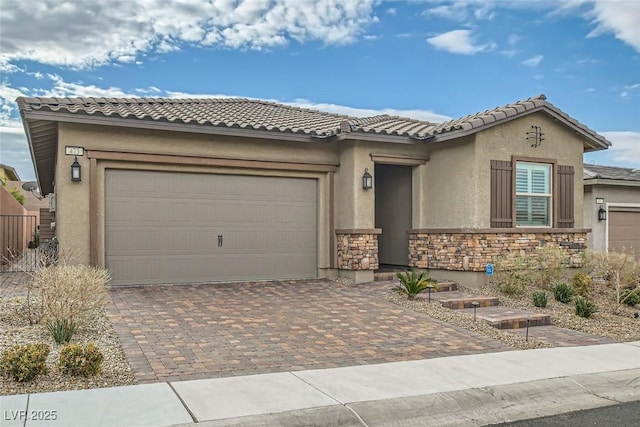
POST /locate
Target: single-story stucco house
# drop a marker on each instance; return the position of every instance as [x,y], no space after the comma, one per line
[612,208]
[193,190]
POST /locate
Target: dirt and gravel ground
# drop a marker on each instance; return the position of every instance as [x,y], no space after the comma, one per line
[15,329]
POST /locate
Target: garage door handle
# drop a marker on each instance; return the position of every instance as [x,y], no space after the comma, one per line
[220,240]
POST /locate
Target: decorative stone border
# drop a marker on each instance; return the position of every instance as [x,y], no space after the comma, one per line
[473,250]
[358,249]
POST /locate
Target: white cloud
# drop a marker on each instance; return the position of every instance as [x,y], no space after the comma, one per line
[392,11]
[426,115]
[621,18]
[14,150]
[86,33]
[625,147]
[534,61]
[457,41]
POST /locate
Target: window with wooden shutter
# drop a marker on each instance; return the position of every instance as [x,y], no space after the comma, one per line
[564,202]
[533,194]
[501,194]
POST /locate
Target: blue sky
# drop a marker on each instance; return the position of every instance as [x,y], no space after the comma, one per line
[430,60]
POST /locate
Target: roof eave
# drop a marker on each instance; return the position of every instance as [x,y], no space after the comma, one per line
[616,182]
[173,126]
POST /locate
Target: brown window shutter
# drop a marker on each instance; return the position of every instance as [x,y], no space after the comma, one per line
[564,198]
[501,194]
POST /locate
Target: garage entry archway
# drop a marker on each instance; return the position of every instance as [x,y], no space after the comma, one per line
[171,227]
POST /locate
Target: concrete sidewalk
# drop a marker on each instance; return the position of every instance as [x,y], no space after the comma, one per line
[459,390]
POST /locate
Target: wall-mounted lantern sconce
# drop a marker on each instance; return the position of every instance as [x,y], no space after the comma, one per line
[76,170]
[599,201]
[602,214]
[367,180]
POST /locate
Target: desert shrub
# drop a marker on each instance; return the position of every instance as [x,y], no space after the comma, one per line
[563,292]
[513,273]
[630,296]
[82,361]
[581,284]
[585,307]
[540,299]
[550,266]
[618,270]
[412,283]
[72,292]
[25,362]
[61,330]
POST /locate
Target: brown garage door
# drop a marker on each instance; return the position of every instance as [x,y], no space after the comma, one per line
[624,231]
[165,227]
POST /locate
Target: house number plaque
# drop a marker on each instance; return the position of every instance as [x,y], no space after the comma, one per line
[71,150]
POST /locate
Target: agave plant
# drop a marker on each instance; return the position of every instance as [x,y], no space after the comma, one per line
[412,283]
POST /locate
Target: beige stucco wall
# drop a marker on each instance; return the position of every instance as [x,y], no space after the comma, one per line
[449,186]
[611,194]
[506,140]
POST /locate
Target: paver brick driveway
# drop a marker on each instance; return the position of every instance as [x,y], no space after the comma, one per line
[185,332]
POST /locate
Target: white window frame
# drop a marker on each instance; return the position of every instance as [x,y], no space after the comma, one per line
[549,196]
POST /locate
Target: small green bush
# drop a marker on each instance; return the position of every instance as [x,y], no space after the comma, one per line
[540,299]
[630,296]
[581,284]
[563,292]
[62,330]
[80,361]
[513,273]
[585,307]
[25,362]
[412,283]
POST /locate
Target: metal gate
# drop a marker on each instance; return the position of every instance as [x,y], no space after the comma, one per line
[19,238]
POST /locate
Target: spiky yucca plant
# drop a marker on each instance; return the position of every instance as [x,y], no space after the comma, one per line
[412,283]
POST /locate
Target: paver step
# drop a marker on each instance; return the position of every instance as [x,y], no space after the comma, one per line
[459,300]
[509,318]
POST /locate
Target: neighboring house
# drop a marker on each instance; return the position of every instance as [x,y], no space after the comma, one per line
[7,173]
[614,194]
[185,190]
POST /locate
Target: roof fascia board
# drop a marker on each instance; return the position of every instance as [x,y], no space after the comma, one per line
[33,156]
[168,126]
[616,182]
[374,137]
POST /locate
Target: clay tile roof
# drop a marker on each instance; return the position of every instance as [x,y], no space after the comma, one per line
[273,117]
[224,112]
[610,172]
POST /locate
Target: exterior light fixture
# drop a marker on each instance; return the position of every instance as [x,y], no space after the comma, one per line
[602,214]
[367,180]
[475,305]
[76,170]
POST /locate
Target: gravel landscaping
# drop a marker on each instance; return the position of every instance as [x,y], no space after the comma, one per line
[612,320]
[14,329]
[435,310]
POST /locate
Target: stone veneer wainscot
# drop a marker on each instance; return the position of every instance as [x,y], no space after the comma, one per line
[358,249]
[472,250]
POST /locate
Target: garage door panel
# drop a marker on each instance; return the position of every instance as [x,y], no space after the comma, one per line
[624,231]
[163,227]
